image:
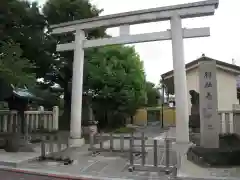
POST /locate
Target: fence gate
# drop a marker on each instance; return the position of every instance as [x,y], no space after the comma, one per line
[157,159]
[51,144]
[114,143]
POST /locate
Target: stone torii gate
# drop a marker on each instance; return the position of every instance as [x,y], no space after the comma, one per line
[123,21]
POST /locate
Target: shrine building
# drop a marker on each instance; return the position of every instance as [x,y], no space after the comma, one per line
[227,82]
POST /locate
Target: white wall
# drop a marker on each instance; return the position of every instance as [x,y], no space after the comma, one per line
[227,91]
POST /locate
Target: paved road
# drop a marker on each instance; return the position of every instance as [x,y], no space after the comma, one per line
[7,175]
[10,175]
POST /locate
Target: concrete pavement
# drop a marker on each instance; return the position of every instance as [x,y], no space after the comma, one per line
[108,165]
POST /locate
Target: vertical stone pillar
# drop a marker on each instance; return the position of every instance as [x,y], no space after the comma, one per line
[41,119]
[77,91]
[181,94]
[209,119]
[180,81]
[55,117]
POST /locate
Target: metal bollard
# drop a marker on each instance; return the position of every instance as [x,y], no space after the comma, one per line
[26,134]
[167,154]
[51,141]
[59,146]
[67,145]
[174,172]
[122,142]
[43,147]
[101,141]
[155,153]
[143,148]
[91,142]
[111,141]
[131,149]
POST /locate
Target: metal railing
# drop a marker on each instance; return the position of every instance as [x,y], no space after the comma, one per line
[51,144]
[114,143]
[146,164]
[144,153]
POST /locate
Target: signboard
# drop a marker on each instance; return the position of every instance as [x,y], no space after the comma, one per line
[209,120]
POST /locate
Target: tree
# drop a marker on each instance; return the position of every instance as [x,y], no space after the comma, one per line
[164,88]
[55,12]
[153,94]
[14,69]
[116,81]
[22,23]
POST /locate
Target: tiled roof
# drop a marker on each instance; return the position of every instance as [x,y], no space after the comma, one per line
[192,63]
[25,93]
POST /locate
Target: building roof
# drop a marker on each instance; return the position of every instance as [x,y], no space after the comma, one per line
[168,77]
[25,93]
[195,63]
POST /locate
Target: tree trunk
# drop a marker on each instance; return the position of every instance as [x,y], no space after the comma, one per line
[131,119]
[64,123]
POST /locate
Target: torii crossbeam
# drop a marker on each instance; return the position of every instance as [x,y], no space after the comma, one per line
[124,20]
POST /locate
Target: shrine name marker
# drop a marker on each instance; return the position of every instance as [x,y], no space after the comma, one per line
[209,120]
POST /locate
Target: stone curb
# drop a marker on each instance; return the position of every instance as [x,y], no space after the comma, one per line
[183,177]
[56,174]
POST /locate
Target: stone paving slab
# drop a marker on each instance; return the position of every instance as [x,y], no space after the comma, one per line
[105,164]
[15,159]
[108,164]
[161,158]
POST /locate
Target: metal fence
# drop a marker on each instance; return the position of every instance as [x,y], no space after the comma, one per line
[51,144]
[157,159]
[145,154]
[114,143]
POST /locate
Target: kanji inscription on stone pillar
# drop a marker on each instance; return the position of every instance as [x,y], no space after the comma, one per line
[209,120]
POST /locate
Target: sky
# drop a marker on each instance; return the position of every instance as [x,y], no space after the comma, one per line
[223,44]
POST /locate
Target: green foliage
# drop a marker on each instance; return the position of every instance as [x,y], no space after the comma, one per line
[114,78]
[61,68]
[50,98]
[14,68]
[22,23]
[153,94]
[117,81]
